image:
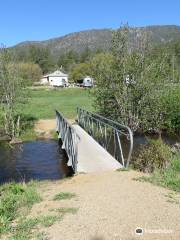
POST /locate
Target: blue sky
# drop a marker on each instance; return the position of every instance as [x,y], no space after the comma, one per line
[22,20]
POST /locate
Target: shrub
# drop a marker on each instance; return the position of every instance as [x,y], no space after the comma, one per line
[155,155]
[171,100]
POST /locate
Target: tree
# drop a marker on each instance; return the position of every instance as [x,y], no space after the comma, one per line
[29,72]
[67,60]
[80,71]
[172,50]
[12,93]
[131,80]
[42,57]
[101,70]
[86,55]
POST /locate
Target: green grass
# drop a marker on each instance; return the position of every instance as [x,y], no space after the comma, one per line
[173,198]
[41,236]
[169,178]
[64,210]
[123,169]
[28,134]
[26,228]
[47,221]
[64,196]
[43,103]
[15,200]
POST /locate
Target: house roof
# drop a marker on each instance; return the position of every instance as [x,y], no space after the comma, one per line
[56,74]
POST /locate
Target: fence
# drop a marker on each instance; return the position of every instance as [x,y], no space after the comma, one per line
[117,139]
[69,138]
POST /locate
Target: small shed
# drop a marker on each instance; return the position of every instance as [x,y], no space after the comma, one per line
[56,79]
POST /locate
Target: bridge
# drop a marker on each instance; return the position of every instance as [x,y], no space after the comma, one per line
[94,143]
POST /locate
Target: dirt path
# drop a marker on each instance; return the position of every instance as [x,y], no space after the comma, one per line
[45,128]
[111,206]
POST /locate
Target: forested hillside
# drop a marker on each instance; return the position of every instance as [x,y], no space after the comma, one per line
[97,39]
[78,48]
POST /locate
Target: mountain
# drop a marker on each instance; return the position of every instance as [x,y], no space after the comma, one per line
[164,34]
[98,39]
[79,41]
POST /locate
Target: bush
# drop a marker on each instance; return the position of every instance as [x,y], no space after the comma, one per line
[155,155]
[171,101]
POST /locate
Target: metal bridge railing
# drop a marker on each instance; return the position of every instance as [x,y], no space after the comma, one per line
[69,138]
[117,139]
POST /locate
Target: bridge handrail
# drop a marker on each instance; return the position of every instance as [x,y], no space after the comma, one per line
[88,119]
[69,138]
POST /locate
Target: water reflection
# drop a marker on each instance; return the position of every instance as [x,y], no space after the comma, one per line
[40,160]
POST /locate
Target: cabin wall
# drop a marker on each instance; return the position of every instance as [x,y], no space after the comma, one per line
[58,81]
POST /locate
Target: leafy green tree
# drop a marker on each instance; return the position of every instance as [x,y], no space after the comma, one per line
[29,72]
[130,82]
[12,94]
[80,71]
[172,49]
[101,70]
[67,60]
[42,57]
[86,55]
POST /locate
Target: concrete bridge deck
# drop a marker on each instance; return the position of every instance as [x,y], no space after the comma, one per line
[92,157]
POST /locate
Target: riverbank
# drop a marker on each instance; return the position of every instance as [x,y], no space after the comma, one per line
[108,205]
[45,128]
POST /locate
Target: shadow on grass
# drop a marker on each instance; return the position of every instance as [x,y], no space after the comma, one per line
[27,127]
[27,121]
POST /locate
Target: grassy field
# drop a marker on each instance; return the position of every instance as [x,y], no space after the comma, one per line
[43,103]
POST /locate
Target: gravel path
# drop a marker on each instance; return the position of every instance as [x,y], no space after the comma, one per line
[111,206]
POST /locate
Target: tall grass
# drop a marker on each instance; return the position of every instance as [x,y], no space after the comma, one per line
[169,177]
[156,158]
[155,155]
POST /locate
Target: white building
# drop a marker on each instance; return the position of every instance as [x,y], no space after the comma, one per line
[55,79]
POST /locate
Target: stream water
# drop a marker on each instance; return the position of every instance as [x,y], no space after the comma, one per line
[42,159]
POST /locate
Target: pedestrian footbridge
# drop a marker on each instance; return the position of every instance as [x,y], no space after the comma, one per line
[94,143]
